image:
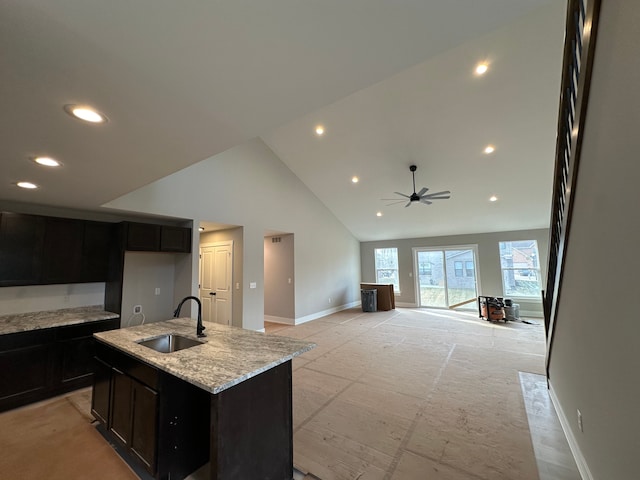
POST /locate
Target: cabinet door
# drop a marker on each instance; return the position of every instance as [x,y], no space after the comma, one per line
[21,240]
[76,359]
[175,239]
[143,237]
[24,372]
[144,425]
[98,237]
[101,391]
[120,418]
[62,252]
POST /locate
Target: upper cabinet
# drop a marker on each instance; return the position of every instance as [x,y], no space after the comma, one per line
[144,237]
[21,241]
[38,250]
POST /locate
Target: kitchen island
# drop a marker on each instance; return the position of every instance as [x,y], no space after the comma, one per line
[226,400]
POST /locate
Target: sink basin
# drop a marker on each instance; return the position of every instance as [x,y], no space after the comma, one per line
[170,342]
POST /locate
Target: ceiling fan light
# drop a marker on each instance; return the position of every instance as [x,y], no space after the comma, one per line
[27,185]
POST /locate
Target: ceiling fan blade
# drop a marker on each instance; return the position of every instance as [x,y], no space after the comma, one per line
[426,202]
[402,195]
[408,204]
[395,203]
[423,191]
[441,195]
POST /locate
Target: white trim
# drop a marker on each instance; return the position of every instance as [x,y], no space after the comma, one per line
[531,313]
[324,313]
[581,462]
[261,330]
[406,305]
[283,320]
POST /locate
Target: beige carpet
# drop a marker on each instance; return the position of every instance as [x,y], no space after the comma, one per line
[413,394]
[53,440]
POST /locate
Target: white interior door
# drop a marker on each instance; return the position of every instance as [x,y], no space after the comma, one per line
[216,262]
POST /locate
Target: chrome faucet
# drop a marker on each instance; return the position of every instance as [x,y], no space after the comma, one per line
[200,328]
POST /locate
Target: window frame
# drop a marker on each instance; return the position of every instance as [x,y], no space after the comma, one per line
[396,287]
[530,268]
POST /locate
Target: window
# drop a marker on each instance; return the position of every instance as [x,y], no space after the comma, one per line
[386,261]
[469,269]
[520,268]
[425,268]
[457,266]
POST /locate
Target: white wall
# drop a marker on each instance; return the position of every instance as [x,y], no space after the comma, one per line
[596,348]
[249,186]
[279,294]
[143,273]
[488,262]
[36,298]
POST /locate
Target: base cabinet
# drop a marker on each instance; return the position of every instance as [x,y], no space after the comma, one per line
[40,364]
[161,422]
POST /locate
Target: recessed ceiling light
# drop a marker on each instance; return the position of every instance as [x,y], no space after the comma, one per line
[86,113]
[493,198]
[47,161]
[379,214]
[489,149]
[355,179]
[481,68]
[319,130]
[27,185]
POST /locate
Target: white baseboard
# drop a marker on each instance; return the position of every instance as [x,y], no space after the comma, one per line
[324,313]
[406,305]
[581,462]
[284,320]
[261,330]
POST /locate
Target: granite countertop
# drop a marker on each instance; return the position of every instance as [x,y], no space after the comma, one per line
[228,356]
[24,322]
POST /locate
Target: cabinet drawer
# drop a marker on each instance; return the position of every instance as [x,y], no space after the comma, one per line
[136,369]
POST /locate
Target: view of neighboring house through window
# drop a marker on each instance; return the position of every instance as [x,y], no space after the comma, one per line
[386,260]
[520,268]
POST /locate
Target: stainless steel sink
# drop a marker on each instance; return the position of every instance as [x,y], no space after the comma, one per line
[170,342]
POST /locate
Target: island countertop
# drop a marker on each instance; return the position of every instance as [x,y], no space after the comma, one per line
[26,322]
[228,355]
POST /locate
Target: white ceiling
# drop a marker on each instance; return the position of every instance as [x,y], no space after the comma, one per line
[391,81]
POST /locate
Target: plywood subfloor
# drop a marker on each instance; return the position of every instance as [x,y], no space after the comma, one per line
[413,394]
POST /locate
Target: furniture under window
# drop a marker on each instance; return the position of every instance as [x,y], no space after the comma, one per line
[520,264]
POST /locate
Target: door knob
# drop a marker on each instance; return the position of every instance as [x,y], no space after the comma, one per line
[212,293]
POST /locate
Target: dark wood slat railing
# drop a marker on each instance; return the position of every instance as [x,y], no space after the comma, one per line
[579,48]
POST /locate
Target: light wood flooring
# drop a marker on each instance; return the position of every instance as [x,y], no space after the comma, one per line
[416,394]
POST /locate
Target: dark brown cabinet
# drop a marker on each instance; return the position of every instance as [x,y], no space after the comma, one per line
[145,237]
[21,242]
[62,250]
[43,363]
[98,239]
[160,421]
[38,250]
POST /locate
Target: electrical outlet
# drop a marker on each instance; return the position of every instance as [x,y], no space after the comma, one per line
[157,291]
[137,309]
[580,420]
[329,299]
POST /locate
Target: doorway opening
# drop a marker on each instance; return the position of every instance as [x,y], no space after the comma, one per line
[446,277]
[279,286]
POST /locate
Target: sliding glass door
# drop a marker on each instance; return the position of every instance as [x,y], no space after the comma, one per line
[446,276]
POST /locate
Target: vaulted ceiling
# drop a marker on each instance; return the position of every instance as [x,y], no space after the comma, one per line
[391,82]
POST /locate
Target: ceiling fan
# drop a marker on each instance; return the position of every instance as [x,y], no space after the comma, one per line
[422,196]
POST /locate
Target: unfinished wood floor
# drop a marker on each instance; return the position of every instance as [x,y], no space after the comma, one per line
[413,394]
